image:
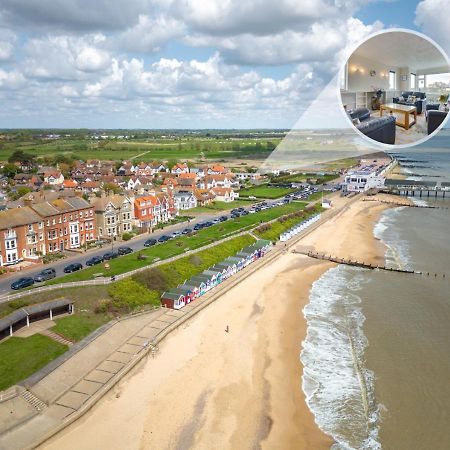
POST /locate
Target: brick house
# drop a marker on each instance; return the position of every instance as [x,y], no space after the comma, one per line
[21,236]
[68,223]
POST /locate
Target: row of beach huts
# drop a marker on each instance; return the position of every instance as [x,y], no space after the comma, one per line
[200,284]
[298,228]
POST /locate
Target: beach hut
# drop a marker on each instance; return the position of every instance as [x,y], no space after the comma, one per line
[188,294]
[200,285]
[191,288]
[233,263]
[173,300]
[239,262]
[203,281]
[262,246]
[225,268]
[246,256]
[216,275]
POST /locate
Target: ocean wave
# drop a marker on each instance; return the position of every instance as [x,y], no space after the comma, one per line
[387,230]
[337,385]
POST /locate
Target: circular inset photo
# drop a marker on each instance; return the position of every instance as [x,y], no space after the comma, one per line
[395,88]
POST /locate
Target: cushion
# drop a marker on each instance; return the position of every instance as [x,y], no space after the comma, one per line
[356,121]
[411,99]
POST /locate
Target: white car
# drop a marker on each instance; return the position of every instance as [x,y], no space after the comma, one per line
[252,197]
[251,211]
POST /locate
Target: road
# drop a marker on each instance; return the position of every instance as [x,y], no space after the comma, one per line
[136,244]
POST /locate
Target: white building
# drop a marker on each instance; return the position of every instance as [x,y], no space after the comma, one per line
[370,174]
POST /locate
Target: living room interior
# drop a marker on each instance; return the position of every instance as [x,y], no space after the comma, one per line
[395,88]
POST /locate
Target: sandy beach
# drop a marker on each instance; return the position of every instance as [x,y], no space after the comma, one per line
[210,389]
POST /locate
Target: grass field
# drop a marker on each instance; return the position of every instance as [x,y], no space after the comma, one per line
[144,150]
[180,245]
[265,191]
[273,231]
[77,326]
[21,357]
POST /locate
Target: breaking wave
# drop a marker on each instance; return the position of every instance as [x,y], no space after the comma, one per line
[338,386]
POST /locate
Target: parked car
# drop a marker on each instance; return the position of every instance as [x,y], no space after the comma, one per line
[110,255]
[175,234]
[150,242]
[198,226]
[94,260]
[22,283]
[73,267]
[245,213]
[46,274]
[216,220]
[223,218]
[208,224]
[252,197]
[186,231]
[163,238]
[124,250]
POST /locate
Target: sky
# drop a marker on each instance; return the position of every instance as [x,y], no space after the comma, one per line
[185,63]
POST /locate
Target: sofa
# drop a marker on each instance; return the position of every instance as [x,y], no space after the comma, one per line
[380,129]
[421,100]
[434,119]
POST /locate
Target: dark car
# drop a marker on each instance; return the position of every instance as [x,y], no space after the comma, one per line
[110,255]
[163,238]
[94,260]
[124,250]
[245,213]
[198,226]
[150,242]
[208,224]
[223,218]
[186,231]
[46,274]
[22,283]
[73,267]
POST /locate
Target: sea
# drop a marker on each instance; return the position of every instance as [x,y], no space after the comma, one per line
[377,352]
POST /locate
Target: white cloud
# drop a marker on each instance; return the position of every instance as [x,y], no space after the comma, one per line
[149,34]
[90,59]
[11,79]
[432,17]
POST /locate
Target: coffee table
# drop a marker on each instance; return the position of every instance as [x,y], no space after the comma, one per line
[406,110]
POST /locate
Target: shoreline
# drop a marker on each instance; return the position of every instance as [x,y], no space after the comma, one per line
[209,389]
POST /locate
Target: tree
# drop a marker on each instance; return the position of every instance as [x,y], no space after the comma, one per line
[112,188]
[9,170]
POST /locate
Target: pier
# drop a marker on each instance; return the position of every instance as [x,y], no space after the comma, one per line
[412,188]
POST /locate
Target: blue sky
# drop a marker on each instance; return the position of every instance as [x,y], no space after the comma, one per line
[184,63]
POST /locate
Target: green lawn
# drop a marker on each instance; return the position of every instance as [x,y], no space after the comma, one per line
[180,245]
[21,357]
[275,229]
[77,326]
[265,191]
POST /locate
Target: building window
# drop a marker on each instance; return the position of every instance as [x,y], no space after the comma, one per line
[412,81]
[421,80]
[392,80]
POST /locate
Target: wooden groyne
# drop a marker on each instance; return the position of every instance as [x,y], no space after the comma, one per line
[364,265]
[409,205]
[354,263]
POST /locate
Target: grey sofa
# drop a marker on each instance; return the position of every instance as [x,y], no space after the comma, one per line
[421,100]
[434,119]
[380,129]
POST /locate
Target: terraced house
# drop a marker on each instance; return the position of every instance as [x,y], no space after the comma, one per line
[155,208]
[68,223]
[114,215]
[21,236]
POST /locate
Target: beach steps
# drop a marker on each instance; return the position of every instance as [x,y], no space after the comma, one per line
[56,337]
[34,401]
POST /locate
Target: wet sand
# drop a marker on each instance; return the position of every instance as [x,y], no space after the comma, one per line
[210,389]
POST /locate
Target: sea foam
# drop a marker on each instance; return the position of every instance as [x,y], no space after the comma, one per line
[337,385]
